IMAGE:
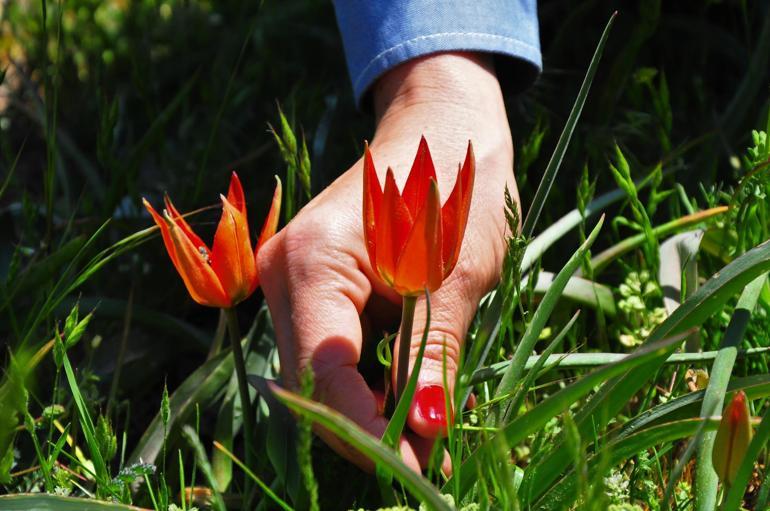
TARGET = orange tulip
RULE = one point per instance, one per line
(227, 273)
(413, 242)
(732, 439)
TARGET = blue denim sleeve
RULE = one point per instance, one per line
(380, 34)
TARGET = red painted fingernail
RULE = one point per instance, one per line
(430, 405)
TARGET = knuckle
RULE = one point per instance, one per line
(442, 344)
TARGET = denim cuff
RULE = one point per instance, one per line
(381, 34)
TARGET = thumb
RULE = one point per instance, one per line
(450, 315)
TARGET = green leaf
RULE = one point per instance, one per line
(203, 463)
(688, 405)
(559, 495)
(397, 422)
(351, 433)
(533, 373)
(552, 168)
(602, 260)
(581, 291)
(202, 388)
(540, 318)
(583, 360)
(713, 400)
(528, 423)
(42, 502)
(89, 431)
(392, 434)
(615, 394)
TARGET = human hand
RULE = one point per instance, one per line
(322, 292)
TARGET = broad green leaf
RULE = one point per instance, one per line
(583, 360)
(688, 405)
(580, 291)
(713, 400)
(43, 502)
(366, 444)
(678, 274)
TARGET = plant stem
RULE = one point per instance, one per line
(405, 342)
(243, 387)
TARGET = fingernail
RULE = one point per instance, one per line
(430, 404)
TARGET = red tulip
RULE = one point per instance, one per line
(227, 273)
(733, 438)
(413, 242)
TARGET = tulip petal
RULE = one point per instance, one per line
(232, 257)
(271, 222)
(419, 265)
(454, 213)
(235, 194)
(162, 224)
(180, 222)
(732, 438)
(372, 205)
(191, 264)
(395, 226)
(418, 182)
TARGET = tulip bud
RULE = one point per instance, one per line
(733, 438)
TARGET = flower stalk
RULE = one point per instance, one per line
(243, 386)
(405, 342)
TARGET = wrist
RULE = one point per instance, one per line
(450, 98)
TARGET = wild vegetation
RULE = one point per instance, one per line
(633, 306)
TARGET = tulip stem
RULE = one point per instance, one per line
(243, 386)
(405, 344)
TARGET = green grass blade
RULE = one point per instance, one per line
(540, 318)
(558, 496)
(615, 394)
(583, 360)
(200, 388)
(89, 431)
(688, 405)
(42, 502)
(554, 232)
(12, 169)
(521, 427)
(603, 259)
(482, 343)
(366, 444)
(713, 400)
(561, 146)
(246, 470)
(533, 373)
(203, 463)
